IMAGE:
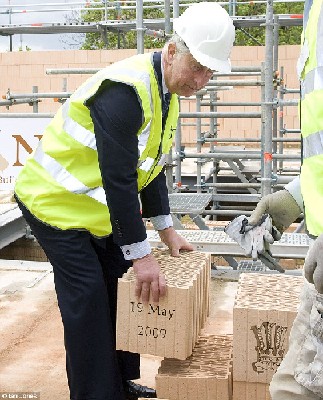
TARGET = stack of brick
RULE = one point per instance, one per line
(171, 327)
(264, 310)
(205, 375)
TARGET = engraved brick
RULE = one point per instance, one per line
(171, 327)
(264, 310)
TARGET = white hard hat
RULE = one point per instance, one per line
(208, 32)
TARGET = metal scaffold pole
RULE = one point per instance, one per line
(175, 8)
(168, 28)
(268, 104)
(217, 167)
(199, 161)
(169, 158)
(275, 92)
(140, 26)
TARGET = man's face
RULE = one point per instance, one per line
(184, 75)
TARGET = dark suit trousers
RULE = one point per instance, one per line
(86, 272)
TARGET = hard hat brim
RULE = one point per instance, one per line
(215, 64)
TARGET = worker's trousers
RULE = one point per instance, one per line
(300, 375)
(86, 271)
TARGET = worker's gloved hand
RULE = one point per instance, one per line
(282, 208)
(174, 241)
(242, 237)
(263, 235)
(313, 266)
(149, 279)
(254, 239)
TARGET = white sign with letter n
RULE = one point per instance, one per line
(18, 139)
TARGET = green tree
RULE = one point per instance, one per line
(122, 39)
(256, 35)
(248, 36)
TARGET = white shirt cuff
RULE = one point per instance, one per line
(136, 250)
(161, 222)
(294, 188)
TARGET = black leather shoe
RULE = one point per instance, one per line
(134, 391)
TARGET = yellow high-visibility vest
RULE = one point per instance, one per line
(311, 111)
(61, 183)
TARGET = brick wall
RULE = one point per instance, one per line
(20, 71)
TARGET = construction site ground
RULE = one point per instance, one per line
(32, 357)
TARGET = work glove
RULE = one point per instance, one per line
(254, 239)
(281, 207)
(313, 266)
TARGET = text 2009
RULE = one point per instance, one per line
(153, 332)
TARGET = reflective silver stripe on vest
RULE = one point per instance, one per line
(307, 7)
(65, 179)
(114, 74)
(146, 164)
(312, 81)
(143, 139)
(142, 76)
(162, 160)
(319, 46)
(87, 138)
(77, 131)
(313, 145)
(82, 91)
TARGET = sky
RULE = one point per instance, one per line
(37, 11)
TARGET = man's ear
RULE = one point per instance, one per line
(171, 51)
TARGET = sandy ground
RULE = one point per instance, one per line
(32, 357)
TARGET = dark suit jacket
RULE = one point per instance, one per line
(117, 116)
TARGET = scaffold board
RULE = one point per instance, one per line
(129, 25)
(12, 224)
(291, 245)
(188, 203)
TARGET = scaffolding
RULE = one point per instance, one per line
(237, 177)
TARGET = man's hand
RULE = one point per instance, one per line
(313, 267)
(149, 279)
(174, 241)
(282, 208)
